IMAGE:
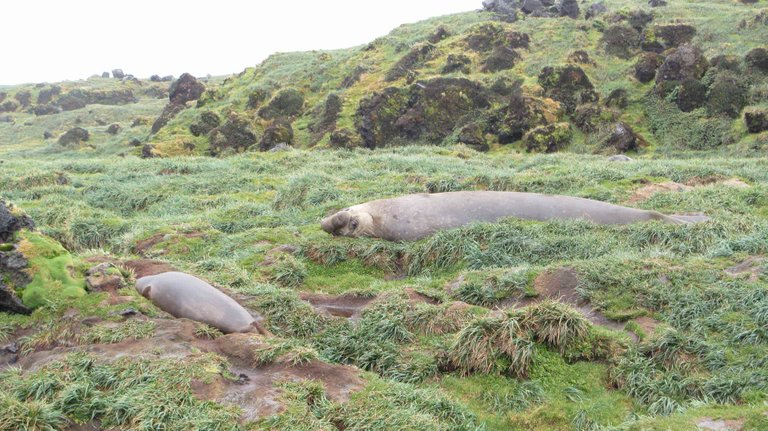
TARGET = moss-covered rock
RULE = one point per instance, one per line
(618, 98)
(472, 136)
(756, 120)
(590, 116)
(185, 89)
(621, 138)
(727, 96)
(74, 136)
(621, 40)
(673, 35)
(288, 103)
(170, 111)
(208, 121)
(521, 114)
(501, 58)
(580, 57)
(344, 138)
(457, 63)
(414, 59)
(690, 94)
(685, 62)
(279, 132)
(567, 84)
(757, 59)
(236, 134)
(548, 139)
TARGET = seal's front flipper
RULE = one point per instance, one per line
(692, 218)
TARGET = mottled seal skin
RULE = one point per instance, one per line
(184, 295)
(412, 217)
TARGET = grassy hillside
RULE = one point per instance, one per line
(512, 325)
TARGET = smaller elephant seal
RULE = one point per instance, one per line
(184, 295)
(412, 217)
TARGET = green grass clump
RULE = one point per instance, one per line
(51, 268)
(487, 288)
(116, 332)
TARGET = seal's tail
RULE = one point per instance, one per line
(689, 218)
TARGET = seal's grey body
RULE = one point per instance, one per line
(184, 295)
(411, 217)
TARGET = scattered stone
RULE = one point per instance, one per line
(47, 135)
(287, 103)
(457, 63)
(685, 62)
(757, 59)
(548, 139)
(11, 222)
(657, 3)
(756, 120)
(74, 136)
(620, 158)
(568, 84)
(353, 77)
(105, 74)
(118, 73)
(185, 89)
(279, 132)
(114, 129)
(208, 121)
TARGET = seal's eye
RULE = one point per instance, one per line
(353, 224)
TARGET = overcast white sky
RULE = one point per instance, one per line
(46, 41)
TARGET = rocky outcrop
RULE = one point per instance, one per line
(279, 132)
(568, 84)
(185, 89)
(287, 103)
(235, 134)
(74, 136)
(756, 120)
(548, 139)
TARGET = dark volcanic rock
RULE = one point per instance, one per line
(472, 136)
(457, 63)
(46, 110)
(10, 303)
(646, 66)
(484, 37)
(114, 129)
(327, 117)
(24, 98)
(74, 136)
(590, 116)
(439, 34)
(685, 62)
(171, 110)
(11, 223)
(105, 74)
(235, 134)
(279, 132)
(46, 95)
(757, 59)
(505, 9)
(568, 85)
(638, 18)
(207, 122)
(727, 96)
(9, 106)
(521, 114)
(148, 151)
(47, 135)
(622, 138)
(256, 98)
(287, 103)
(155, 78)
(501, 58)
(548, 139)
(726, 62)
(344, 138)
(580, 57)
(674, 35)
(185, 89)
(517, 39)
(657, 3)
(118, 73)
(621, 40)
(756, 120)
(353, 77)
(569, 8)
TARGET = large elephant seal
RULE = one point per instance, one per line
(184, 295)
(411, 217)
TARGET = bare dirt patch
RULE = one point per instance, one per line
(348, 306)
(147, 267)
(753, 267)
(721, 424)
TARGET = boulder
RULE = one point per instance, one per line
(756, 120)
(617, 99)
(47, 135)
(235, 134)
(118, 73)
(9, 302)
(11, 222)
(518, 39)
(580, 57)
(619, 158)
(521, 114)
(279, 132)
(155, 78)
(590, 116)
(646, 66)
(208, 121)
(757, 59)
(568, 84)
(46, 109)
(148, 151)
(74, 136)
(414, 59)
(287, 103)
(6, 119)
(344, 138)
(657, 3)
(326, 117)
(726, 62)
(472, 136)
(105, 74)
(622, 138)
(256, 98)
(46, 95)
(185, 89)
(439, 34)
(505, 9)
(685, 62)
(114, 129)
(691, 94)
(548, 139)
(104, 277)
(485, 37)
(674, 35)
(569, 8)
(9, 106)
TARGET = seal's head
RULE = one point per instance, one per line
(144, 285)
(349, 222)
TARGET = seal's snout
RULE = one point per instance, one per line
(335, 222)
